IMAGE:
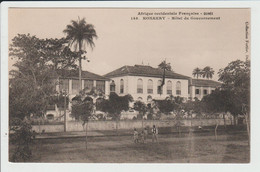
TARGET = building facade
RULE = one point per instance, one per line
(140, 81)
(68, 82)
(198, 88)
(144, 83)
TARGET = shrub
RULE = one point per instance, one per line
(22, 139)
(150, 116)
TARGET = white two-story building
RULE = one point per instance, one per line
(143, 83)
(201, 87)
(68, 82)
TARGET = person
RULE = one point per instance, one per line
(154, 133)
(145, 134)
(135, 136)
(142, 136)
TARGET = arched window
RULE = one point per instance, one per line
(112, 86)
(178, 88)
(50, 117)
(149, 98)
(121, 86)
(140, 99)
(159, 88)
(150, 86)
(169, 87)
(139, 86)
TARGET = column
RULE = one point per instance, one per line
(82, 84)
(145, 81)
(208, 90)
(57, 85)
(70, 86)
(95, 83)
(165, 88)
(201, 93)
(107, 88)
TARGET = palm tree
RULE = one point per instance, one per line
(207, 72)
(79, 33)
(165, 66)
(196, 72)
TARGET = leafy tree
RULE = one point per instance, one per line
(170, 104)
(53, 52)
(176, 104)
(191, 107)
(83, 110)
(220, 101)
(59, 54)
(31, 82)
(30, 85)
(22, 139)
(197, 72)
(207, 72)
(236, 81)
(178, 100)
(142, 109)
(234, 95)
(34, 71)
(115, 105)
(165, 106)
(79, 33)
(150, 109)
(83, 106)
(59, 100)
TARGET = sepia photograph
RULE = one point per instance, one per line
(129, 85)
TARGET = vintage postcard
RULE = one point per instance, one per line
(129, 84)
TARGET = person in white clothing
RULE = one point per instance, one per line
(154, 133)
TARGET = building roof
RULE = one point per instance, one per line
(144, 70)
(74, 74)
(204, 83)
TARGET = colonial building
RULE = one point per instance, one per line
(68, 82)
(144, 83)
(200, 87)
(141, 81)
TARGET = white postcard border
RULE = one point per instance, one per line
(255, 93)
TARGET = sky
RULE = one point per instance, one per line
(186, 44)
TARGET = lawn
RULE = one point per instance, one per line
(170, 148)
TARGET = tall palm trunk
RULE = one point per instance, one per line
(224, 117)
(216, 132)
(86, 141)
(143, 122)
(190, 124)
(80, 67)
(117, 121)
(247, 126)
(190, 140)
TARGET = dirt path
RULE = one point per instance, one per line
(169, 149)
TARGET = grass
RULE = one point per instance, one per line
(231, 147)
